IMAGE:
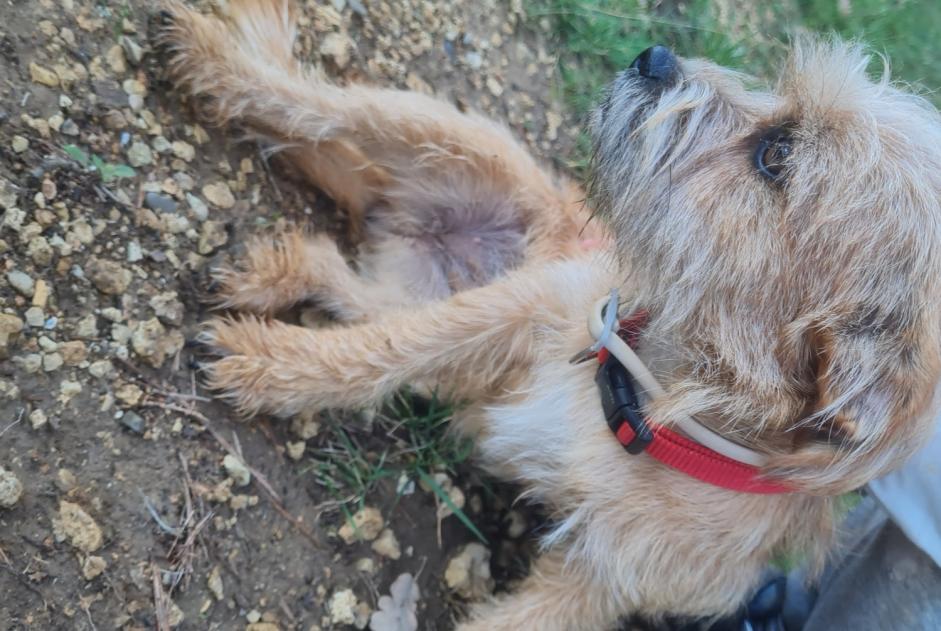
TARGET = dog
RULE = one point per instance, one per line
(778, 254)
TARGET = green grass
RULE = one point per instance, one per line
(413, 445)
(596, 38)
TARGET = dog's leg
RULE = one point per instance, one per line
(556, 596)
(466, 345)
(278, 272)
(363, 145)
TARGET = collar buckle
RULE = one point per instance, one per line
(622, 407)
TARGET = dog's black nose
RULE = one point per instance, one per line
(657, 62)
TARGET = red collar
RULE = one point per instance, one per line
(637, 434)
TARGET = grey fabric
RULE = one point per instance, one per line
(912, 497)
(881, 582)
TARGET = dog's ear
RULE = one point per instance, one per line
(870, 379)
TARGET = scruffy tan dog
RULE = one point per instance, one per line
(785, 246)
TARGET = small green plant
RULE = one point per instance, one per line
(109, 171)
(417, 445)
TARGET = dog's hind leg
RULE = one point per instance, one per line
(279, 272)
(371, 149)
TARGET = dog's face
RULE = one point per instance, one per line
(789, 244)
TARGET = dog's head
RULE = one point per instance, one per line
(788, 244)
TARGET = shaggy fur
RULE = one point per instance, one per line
(800, 316)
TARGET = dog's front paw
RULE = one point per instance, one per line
(269, 366)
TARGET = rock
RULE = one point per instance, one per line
(134, 422)
(52, 361)
(108, 276)
(135, 252)
(74, 524)
(262, 626)
(175, 615)
(139, 154)
(73, 353)
(10, 327)
(219, 194)
(161, 145)
(93, 567)
(11, 489)
(19, 144)
(100, 369)
(213, 235)
(237, 470)
(9, 192)
(161, 203)
(21, 282)
(495, 87)
(132, 50)
(336, 47)
(296, 450)
(42, 75)
(154, 343)
(38, 419)
(133, 87)
(35, 317)
(214, 582)
(183, 150)
(87, 327)
(342, 607)
(468, 573)
(387, 545)
(40, 251)
(198, 206)
(366, 525)
(304, 426)
(41, 294)
(167, 308)
(115, 59)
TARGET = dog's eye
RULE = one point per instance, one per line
(772, 153)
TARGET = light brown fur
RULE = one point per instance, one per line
(801, 318)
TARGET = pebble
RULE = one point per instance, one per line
(134, 251)
(342, 607)
(161, 203)
(70, 128)
(132, 50)
(8, 193)
(468, 573)
(35, 317)
(133, 87)
(87, 327)
(153, 343)
(73, 353)
(387, 545)
(10, 327)
(11, 489)
(93, 567)
(168, 308)
(214, 582)
(139, 154)
(198, 206)
(100, 369)
(37, 418)
(296, 449)
(236, 470)
(21, 282)
(368, 524)
(183, 150)
(219, 194)
(304, 426)
(212, 235)
(108, 276)
(77, 526)
(52, 361)
(41, 294)
(19, 144)
(161, 145)
(133, 421)
(42, 75)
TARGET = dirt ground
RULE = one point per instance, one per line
(128, 498)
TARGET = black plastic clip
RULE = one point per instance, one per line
(621, 405)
